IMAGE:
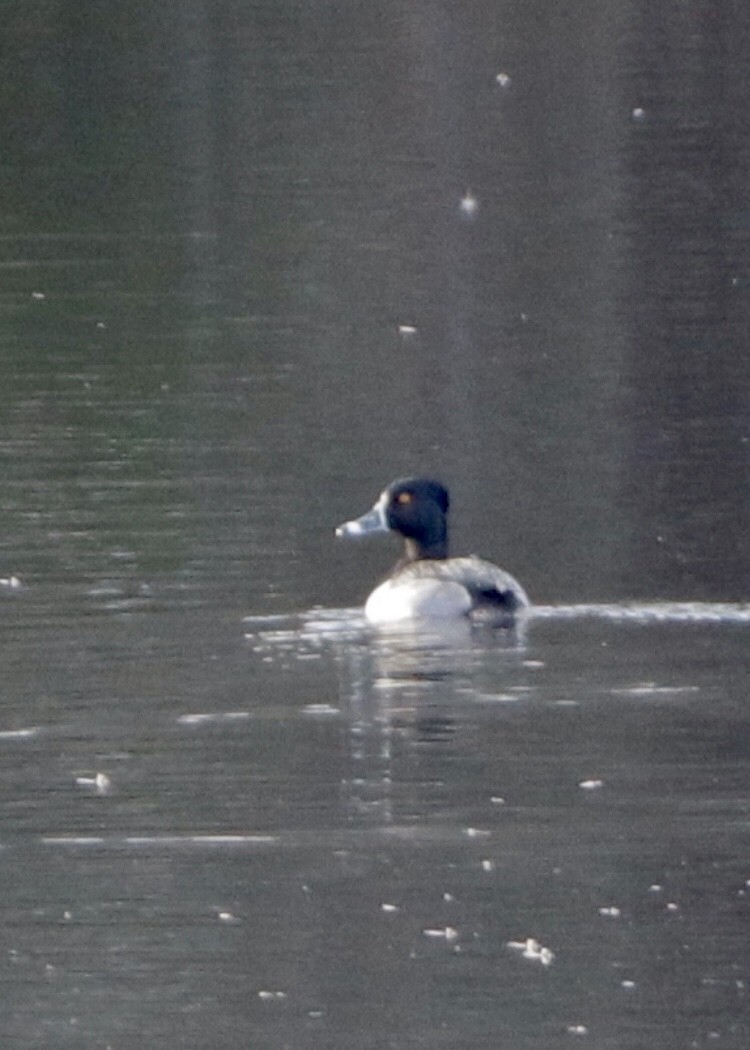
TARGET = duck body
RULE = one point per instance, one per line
(456, 587)
(427, 584)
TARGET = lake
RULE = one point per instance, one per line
(257, 261)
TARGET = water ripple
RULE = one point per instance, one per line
(648, 612)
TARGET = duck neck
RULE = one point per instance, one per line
(416, 551)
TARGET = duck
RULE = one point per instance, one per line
(426, 583)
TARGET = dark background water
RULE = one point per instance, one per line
(214, 220)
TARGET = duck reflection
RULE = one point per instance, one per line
(404, 694)
(408, 696)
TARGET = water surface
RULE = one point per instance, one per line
(238, 295)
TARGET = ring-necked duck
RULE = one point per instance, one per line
(426, 583)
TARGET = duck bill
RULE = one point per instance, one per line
(370, 523)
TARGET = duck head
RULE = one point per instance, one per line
(417, 509)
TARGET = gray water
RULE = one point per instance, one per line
(239, 293)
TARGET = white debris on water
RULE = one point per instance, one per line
(99, 783)
(469, 205)
(503, 79)
(534, 951)
(319, 710)
(448, 933)
(590, 785)
(611, 912)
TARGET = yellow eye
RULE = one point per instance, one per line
(404, 497)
